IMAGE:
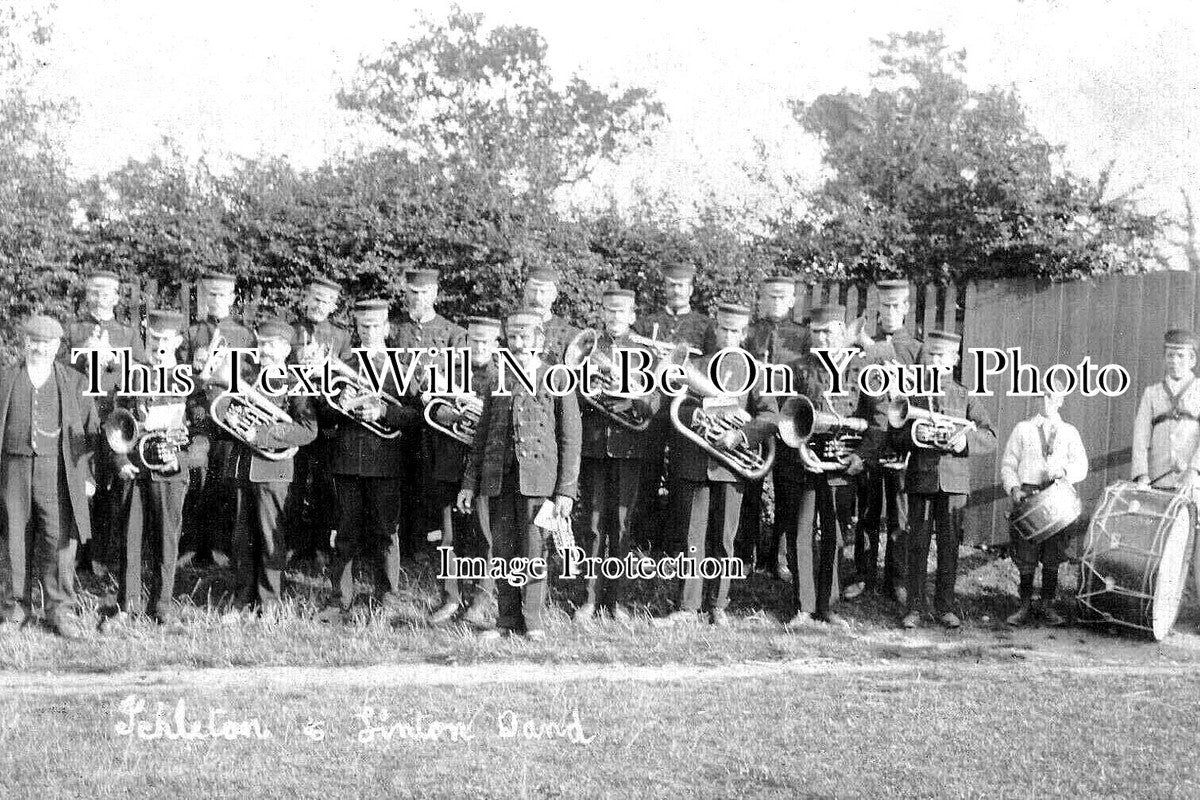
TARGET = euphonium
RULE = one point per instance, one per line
(248, 410)
(930, 429)
(834, 436)
(466, 408)
(153, 449)
(610, 402)
(708, 424)
(356, 391)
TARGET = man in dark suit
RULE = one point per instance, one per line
(50, 431)
(526, 451)
(263, 485)
(540, 292)
(881, 486)
(612, 462)
(938, 482)
(368, 474)
(678, 323)
(709, 489)
(151, 518)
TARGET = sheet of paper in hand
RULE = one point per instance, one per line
(559, 528)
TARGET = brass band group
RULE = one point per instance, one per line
(373, 475)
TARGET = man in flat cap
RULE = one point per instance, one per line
(612, 461)
(155, 477)
(50, 431)
(98, 327)
(881, 486)
(422, 327)
(317, 338)
(540, 292)
(526, 451)
(262, 484)
(814, 485)
(707, 486)
(938, 481)
(463, 534)
(368, 474)
(676, 322)
(1166, 430)
(774, 338)
(211, 500)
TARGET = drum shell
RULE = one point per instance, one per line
(1046, 513)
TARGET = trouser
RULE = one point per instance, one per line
(152, 521)
(1051, 553)
(368, 524)
(259, 541)
(39, 521)
(610, 492)
(107, 506)
(416, 520)
(515, 536)
(216, 506)
(459, 533)
(750, 545)
(722, 504)
(933, 516)
(820, 515)
(882, 489)
(314, 509)
(657, 521)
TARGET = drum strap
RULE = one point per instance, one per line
(1047, 444)
(1176, 413)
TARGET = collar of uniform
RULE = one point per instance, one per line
(1176, 385)
(681, 313)
(97, 321)
(421, 323)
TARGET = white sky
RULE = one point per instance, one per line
(1109, 80)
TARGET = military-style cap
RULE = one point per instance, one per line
(422, 277)
(680, 272)
(161, 320)
(734, 310)
(522, 317)
(275, 329)
(617, 296)
(371, 307)
(823, 315)
(483, 323)
(218, 277)
(1180, 337)
(544, 275)
(892, 289)
(42, 328)
(104, 276)
(942, 340)
(324, 283)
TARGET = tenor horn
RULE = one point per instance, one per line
(611, 403)
(708, 425)
(930, 429)
(153, 449)
(250, 410)
(803, 427)
(356, 391)
(466, 408)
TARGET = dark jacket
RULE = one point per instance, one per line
(689, 328)
(193, 456)
(244, 464)
(603, 437)
(358, 451)
(559, 333)
(777, 341)
(931, 470)
(812, 381)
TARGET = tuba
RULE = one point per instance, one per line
(930, 429)
(355, 393)
(824, 439)
(710, 421)
(250, 410)
(613, 404)
(152, 449)
(466, 408)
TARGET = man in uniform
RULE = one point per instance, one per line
(773, 339)
(1166, 430)
(881, 486)
(708, 488)
(317, 339)
(677, 323)
(938, 483)
(211, 503)
(422, 328)
(50, 430)
(152, 516)
(526, 451)
(612, 462)
(368, 476)
(541, 290)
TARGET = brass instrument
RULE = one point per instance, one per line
(311, 351)
(825, 439)
(153, 449)
(661, 348)
(467, 409)
(709, 424)
(249, 410)
(356, 392)
(610, 402)
(212, 361)
(930, 429)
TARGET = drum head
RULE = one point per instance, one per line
(1172, 574)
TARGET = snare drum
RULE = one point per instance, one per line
(1047, 512)
(1134, 560)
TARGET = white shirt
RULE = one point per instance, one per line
(1024, 460)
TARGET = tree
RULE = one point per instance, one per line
(934, 180)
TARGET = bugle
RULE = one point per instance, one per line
(710, 424)
(250, 410)
(825, 439)
(356, 392)
(930, 429)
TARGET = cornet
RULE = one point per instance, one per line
(930, 429)
(356, 392)
(825, 439)
(466, 410)
(709, 425)
(153, 449)
(249, 410)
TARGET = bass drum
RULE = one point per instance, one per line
(1135, 559)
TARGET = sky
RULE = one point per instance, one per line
(1112, 81)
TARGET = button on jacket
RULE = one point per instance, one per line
(931, 470)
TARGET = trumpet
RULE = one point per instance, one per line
(156, 450)
(825, 439)
(246, 412)
(612, 403)
(709, 425)
(930, 429)
(355, 393)
(466, 409)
